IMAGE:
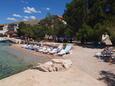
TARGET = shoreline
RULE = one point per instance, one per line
(32, 53)
(27, 58)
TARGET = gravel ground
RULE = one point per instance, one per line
(83, 58)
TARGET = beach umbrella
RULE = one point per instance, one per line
(50, 37)
(106, 39)
(46, 36)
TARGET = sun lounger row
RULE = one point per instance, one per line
(60, 50)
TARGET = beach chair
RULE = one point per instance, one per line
(27, 46)
(24, 45)
(41, 49)
(35, 47)
(48, 50)
(105, 53)
(56, 50)
(98, 54)
(30, 47)
(66, 50)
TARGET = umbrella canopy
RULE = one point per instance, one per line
(106, 39)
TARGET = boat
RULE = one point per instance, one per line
(2, 39)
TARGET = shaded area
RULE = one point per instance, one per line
(108, 78)
(91, 45)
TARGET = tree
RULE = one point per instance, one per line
(91, 13)
(85, 34)
(38, 32)
(75, 14)
(55, 27)
(22, 25)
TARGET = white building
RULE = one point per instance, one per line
(3, 29)
(13, 27)
(8, 27)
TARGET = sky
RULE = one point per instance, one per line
(18, 10)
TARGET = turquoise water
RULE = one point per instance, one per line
(13, 61)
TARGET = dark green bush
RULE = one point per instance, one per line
(112, 37)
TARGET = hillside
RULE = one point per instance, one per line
(31, 22)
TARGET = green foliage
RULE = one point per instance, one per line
(36, 31)
(90, 18)
(54, 25)
(51, 25)
(68, 32)
(99, 29)
(74, 15)
(85, 33)
(88, 34)
(112, 35)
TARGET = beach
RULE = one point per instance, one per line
(63, 43)
(84, 72)
(43, 57)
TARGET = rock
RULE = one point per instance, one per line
(44, 67)
(49, 63)
(58, 61)
(55, 65)
(67, 63)
(50, 69)
(58, 67)
(41, 68)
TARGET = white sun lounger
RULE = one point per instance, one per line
(56, 50)
(35, 47)
(23, 46)
(30, 47)
(48, 50)
(66, 50)
(41, 49)
(26, 46)
(98, 54)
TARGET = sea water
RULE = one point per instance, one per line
(13, 61)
